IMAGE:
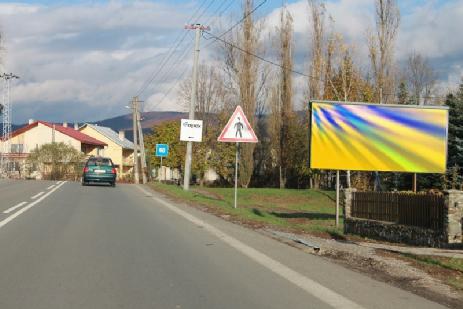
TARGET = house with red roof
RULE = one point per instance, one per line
(37, 133)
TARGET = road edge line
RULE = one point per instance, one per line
(310, 286)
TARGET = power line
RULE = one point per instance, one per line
(216, 14)
(171, 88)
(240, 21)
(257, 56)
(161, 67)
(184, 54)
(227, 31)
(205, 10)
(292, 70)
(185, 51)
(176, 43)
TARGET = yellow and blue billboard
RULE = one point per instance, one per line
(373, 137)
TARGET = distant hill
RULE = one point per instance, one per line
(149, 119)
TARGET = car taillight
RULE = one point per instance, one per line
(113, 171)
(85, 169)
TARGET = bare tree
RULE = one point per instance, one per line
(282, 113)
(246, 77)
(421, 76)
(210, 94)
(317, 65)
(381, 47)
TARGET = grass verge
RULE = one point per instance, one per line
(298, 211)
(310, 211)
(453, 277)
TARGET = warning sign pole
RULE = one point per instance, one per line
(236, 172)
(238, 130)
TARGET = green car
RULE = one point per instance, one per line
(99, 169)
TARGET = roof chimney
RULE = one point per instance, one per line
(65, 124)
(121, 135)
(31, 121)
(76, 126)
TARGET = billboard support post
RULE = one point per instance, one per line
(337, 198)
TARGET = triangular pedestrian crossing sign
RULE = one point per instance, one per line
(238, 129)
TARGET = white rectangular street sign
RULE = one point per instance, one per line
(191, 130)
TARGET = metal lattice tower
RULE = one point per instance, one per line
(6, 116)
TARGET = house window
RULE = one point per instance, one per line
(17, 148)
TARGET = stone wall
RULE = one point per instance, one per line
(450, 236)
(394, 232)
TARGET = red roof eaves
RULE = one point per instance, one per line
(83, 138)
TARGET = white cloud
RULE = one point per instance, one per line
(17, 8)
(100, 53)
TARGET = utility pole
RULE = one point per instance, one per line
(189, 148)
(7, 119)
(135, 140)
(142, 147)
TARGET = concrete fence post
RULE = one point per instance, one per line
(453, 214)
(347, 195)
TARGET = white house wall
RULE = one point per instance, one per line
(40, 135)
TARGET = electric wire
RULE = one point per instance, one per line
(176, 43)
(185, 51)
(291, 70)
(183, 56)
(225, 32)
(256, 56)
(240, 21)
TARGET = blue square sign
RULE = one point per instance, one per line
(162, 150)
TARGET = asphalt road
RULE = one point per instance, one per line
(124, 247)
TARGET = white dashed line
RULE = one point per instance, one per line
(37, 195)
(51, 187)
(32, 204)
(14, 207)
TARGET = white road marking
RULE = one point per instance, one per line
(14, 207)
(310, 286)
(37, 195)
(50, 187)
(23, 210)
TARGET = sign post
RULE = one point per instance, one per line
(238, 130)
(162, 150)
(236, 172)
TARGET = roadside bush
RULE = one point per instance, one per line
(57, 161)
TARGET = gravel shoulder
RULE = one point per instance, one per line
(391, 263)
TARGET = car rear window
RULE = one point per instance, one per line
(99, 162)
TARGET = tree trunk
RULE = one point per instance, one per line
(282, 178)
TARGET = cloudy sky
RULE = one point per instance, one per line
(84, 60)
